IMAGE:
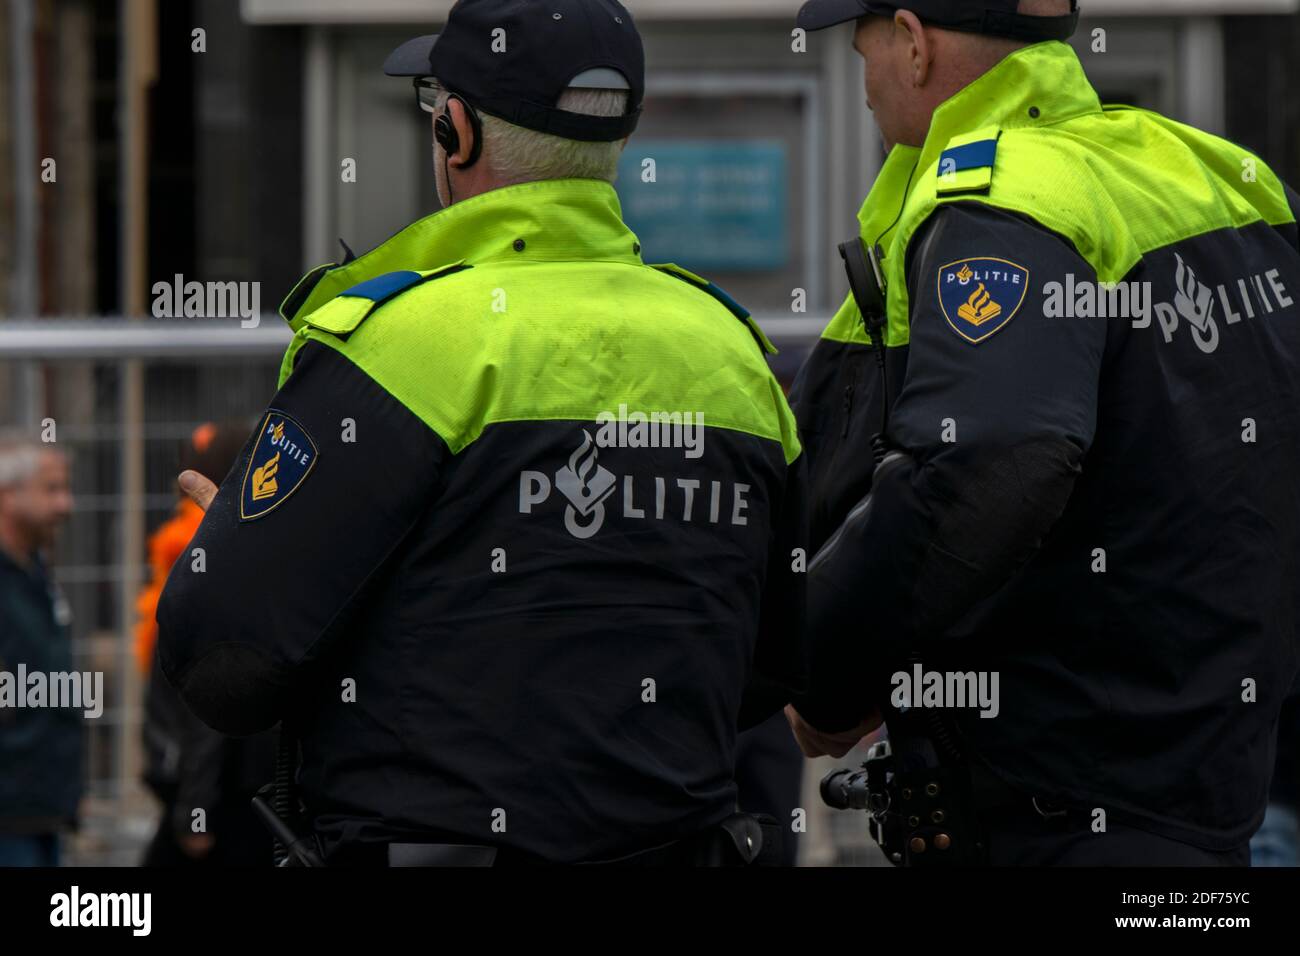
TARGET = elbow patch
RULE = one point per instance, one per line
(992, 523)
(1016, 494)
(232, 688)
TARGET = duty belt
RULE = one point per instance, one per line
(739, 840)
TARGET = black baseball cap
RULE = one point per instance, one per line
(991, 17)
(547, 47)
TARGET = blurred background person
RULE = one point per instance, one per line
(188, 766)
(41, 748)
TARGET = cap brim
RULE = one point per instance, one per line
(820, 14)
(412, 58)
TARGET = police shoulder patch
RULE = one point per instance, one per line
(283, 455)
(980, 296)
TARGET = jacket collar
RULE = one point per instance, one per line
(1045, 77)
(557, 219)
(548, 221)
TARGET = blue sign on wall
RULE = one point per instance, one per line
(713, 204)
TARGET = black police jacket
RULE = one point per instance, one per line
(1094, 509)
(497, 608)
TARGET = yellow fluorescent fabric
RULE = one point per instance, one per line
(557, 318)
(1117, 182)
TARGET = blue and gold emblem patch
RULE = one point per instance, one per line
(980, 296)
(283, 455)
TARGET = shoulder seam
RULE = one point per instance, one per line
(716, 293)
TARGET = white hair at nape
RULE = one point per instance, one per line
(519, 155)
(1044, 8)
(20, 458)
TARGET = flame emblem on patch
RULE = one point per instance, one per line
(980, 307)
(1000, 288)
(264, 483)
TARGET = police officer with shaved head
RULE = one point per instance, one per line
(1053, 444)
(513, 551)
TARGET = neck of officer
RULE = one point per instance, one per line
(960, 59)
(467, 183)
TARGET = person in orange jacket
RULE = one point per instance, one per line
(190, 767)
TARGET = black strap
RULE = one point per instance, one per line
(440, 854)
(867, 286)
(867, 292)
(297, 298)
(741, 839)
(747, 840)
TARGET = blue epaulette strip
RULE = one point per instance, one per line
(383, 287)
(738, 310)
(971, 156)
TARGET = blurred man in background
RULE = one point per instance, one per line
(41, 772)
(189, 766)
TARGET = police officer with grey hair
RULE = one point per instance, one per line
(519, 612)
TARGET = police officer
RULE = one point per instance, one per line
(515, 533)
(1083, 495)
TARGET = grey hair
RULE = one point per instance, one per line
(519, 155)
(1044, 8)
(20, 458)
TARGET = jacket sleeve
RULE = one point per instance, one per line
(989, 433)
(780, 661)
(198, 773)
(290, 542)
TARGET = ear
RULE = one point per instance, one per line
(464, 133)
(919, 48)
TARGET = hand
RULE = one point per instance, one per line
(200, 489)
(196, 845)
(814, 743)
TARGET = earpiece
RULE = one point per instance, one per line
(444, 131)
